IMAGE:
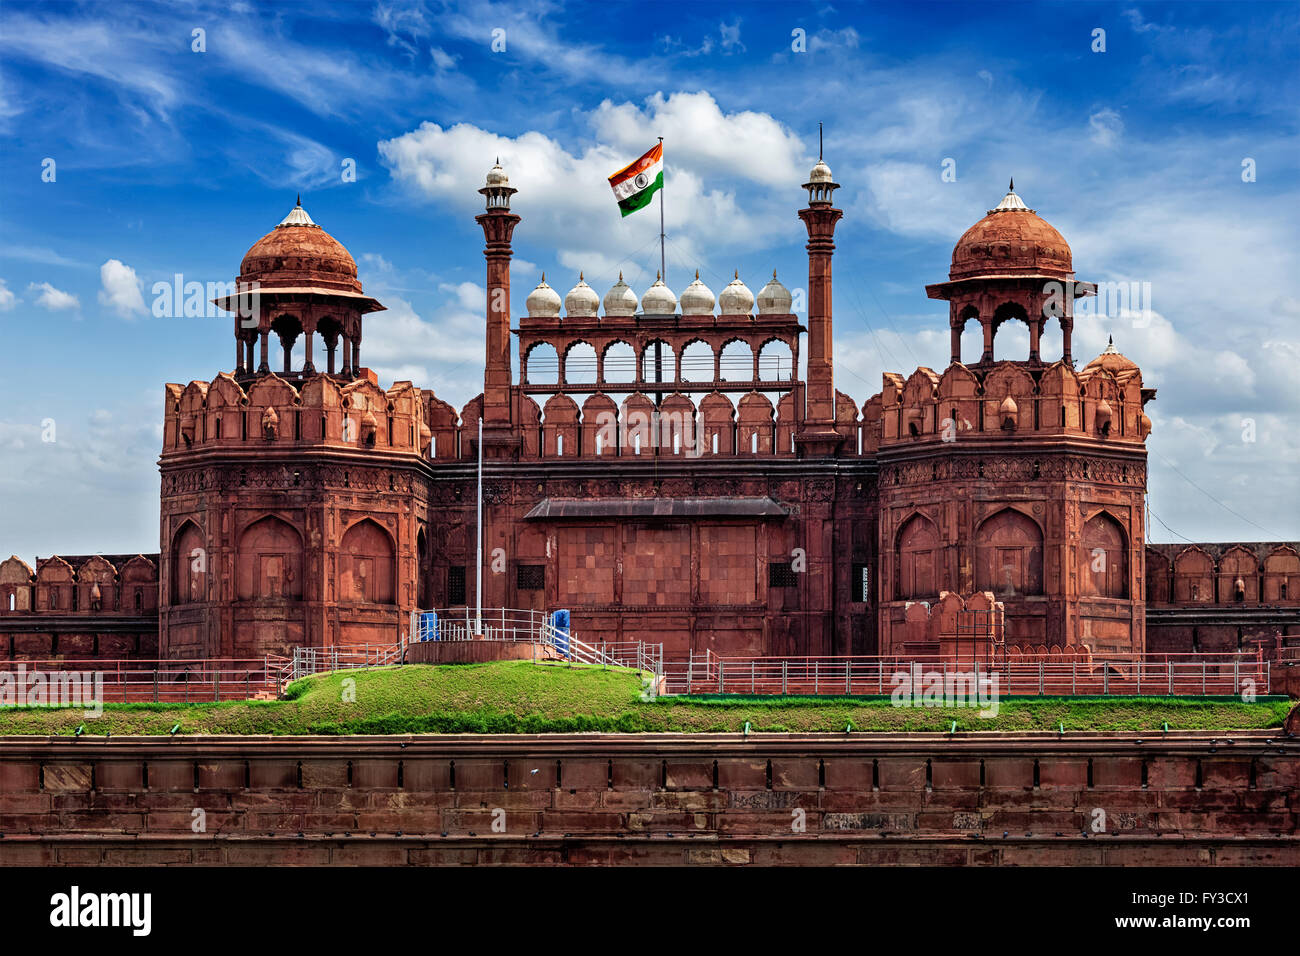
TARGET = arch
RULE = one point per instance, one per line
(580, 365)
(775, 361)
(664, 369)
(1019, 342)
(423, 580)
(1238, 576)
(288, 328)
(917, 555)
(189, 560)
(1009, 554)
(599, 425)
(1158, 577)
(618, 363)
(638, 419)
(1282, 576)
(736, 361)
(717, 425)
(755, 424)
(560, 427)
(697, 361)
(964, 343)
(1103, 557)
(541, 365)
(1193, 577)
(269, 566)
(676, 432)
(330, 329)
(367, 569)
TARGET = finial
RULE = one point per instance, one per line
(659, 276)
(580, 278)
(620, 275)
(697, 275)
(774, 274)
(819, 142)
(1110, 340)
(299, 199)
(737, 273)
(498, 160)
(543, 275)
(1012, 187)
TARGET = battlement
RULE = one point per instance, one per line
(100, 585)
(222, 414)
(1010, 400)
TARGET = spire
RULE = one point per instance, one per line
(299, 202)
(1012, 187)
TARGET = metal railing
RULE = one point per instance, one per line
(161, 681)
(496, 624)
(318, 660)
(1171, 674)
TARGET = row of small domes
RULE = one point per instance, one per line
(697, 299)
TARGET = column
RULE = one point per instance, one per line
(265, 365)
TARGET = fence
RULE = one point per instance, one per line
(496, 624)
(1173, 674)
(154, 681)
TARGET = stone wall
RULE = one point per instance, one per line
(1184, 798)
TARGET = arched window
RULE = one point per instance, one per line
(189, 566)
(1009, 555)
(270, 562)
(918, 559)
(1103, 558)
(367, 571)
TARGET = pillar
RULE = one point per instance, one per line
(265, 365)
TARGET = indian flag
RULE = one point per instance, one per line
(637, 182)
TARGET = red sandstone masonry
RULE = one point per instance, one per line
(821, 798)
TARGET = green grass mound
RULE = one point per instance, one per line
(522, 697)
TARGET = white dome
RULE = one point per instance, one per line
(581, 300)
(620, 300)
(497, 176)
(543, 302)
(697, 298)
(821, 173)
(658, 299)
(736, 299)
(774, 298)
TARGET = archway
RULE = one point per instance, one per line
(1103, 558)
(366, 568)
(1009, 555)
(917, 551)
(269, 567)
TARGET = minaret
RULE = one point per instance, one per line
(818, 436)
(498, 225)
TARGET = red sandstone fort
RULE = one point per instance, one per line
(660, 468)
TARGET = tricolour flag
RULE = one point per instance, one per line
(639, 180)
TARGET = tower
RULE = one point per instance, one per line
(818, 436)
(498, 222)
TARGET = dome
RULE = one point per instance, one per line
(821, 173)
(543, 302)
(1011, 240)
(298, 252)
(497, 176)
(697, 298)
(582, 300)
(774, 298)
(1113, 360)
(620, 300)
(1008, 406)
(736, 299)
(658, 299)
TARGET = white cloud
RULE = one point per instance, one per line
(53, 299)
(7, 298)
(1105, 127)
(567, 204)
(122, 289)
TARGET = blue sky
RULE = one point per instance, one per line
(169, 160)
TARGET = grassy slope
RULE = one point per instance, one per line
(521, 697)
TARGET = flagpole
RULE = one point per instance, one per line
(663, 274)
(663, 265)
(478, 573)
